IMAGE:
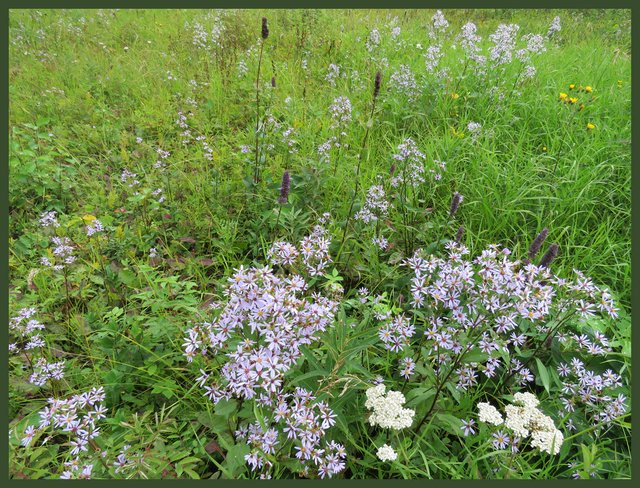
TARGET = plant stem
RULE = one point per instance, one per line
(355, 191)
(255, 170)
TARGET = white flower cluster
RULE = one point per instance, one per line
(524, 419)
(387, 408)
(386, 453)
(489, 414)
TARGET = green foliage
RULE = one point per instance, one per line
(98, 95)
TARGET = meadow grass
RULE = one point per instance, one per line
(85, 84)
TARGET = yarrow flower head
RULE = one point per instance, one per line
(524, 419)
(388, 411)
(386, 453)
(489, 414)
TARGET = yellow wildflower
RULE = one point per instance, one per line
(572, 86)
(588, 89)
(455, 96)
(590, 126)
(563, 96)
(573, 100)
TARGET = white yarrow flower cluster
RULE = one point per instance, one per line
(489, 414)
(524, 419)
(386, 453)
(387, 408)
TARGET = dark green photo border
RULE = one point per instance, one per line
(368, 4)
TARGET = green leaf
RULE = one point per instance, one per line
(225, 408)
(448, 422)
(98, 280)
(544, 376)
(234, 460)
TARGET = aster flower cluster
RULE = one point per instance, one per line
(584, 389)
(94, 227)
(469, 39)
(260, 328)
(49, 219)
(432, 58)
(387, 408)
(289, 141)
(77, 417)
(380, 242)
(340, 119)
(312, 253)
(439, 25)
(396, 334)
(481, 303)
(500, 54)
(333, 73)
(126, 460)
(403, 82)
(523, 419)
(474, 128)
(63, 254)
(44, 371)
(407, 366)
(208, 38)
(373, 40)
(129, 178)
(376, 206)
(300, 421)
(411, 161)
(340, 113)
(504, 43)
(554, 28)
(25, 332)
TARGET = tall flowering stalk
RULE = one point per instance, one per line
(376, 92)
(265, 35)
(284, 194)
